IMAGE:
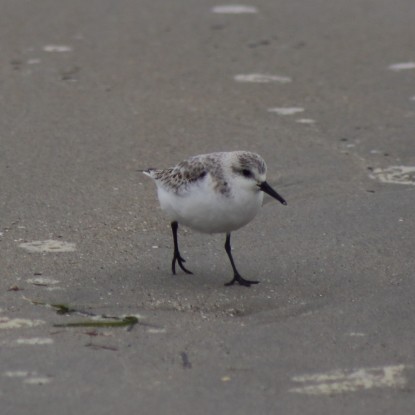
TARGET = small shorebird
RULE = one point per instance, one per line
(213, 193)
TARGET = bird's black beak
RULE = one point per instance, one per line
(265, 187)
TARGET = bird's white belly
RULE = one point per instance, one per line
(210, 212)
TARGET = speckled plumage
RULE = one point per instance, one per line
(195, 168)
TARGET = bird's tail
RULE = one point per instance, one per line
(148, 172)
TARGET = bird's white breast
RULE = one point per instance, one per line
(205, 209)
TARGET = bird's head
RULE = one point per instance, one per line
(249, 171)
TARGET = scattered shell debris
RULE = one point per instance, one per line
(17, 323)
(48, 245)
(154, 330)
(31, 378)
(306, 121)
(16, 373)
(42, 281)
(234, 9)
(32, 341)
(49, 284)
(37, 380)
(57, 48)
(286, 110)
(261, 78)
(402, 66)
(344, 381)
(395, 174)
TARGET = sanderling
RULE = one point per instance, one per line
(213, 193)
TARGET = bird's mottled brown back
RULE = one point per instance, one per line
(190, 171)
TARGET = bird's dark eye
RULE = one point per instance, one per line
(246, 173)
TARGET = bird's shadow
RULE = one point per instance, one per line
(150, 286)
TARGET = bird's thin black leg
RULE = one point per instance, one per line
(236, 276)
(176, 255)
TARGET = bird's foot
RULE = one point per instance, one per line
(177, 257)
(241, 281)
